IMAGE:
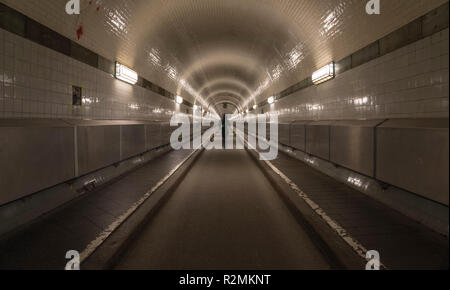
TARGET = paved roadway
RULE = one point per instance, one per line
(224, 215)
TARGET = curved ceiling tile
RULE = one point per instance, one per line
(219, 72)
(216, 84)
(227, 89)
(187, 46)
(226, 95)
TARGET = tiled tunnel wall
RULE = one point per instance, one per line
(36, 82)
(411, 82)
(379, 81)
(380, 113)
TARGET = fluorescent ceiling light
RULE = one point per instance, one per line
(324, 74)
(126, 74)
(247, 111)
(271, 100)
(179, 100)
(255, 106)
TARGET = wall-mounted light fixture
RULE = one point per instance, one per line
(271, 100)
(255, 107)
(324, 74)
(179, 100)
(125, 74)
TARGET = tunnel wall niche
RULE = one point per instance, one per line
(36, 154)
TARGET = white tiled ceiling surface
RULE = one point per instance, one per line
(214, 50)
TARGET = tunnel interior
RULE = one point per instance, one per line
(117, 110)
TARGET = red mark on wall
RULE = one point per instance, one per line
(80, 31)
(80, 27)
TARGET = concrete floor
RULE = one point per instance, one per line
(224, 215)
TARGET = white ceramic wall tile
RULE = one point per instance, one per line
(412, 82)
(36, 82)
(267, 45)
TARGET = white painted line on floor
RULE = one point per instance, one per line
(93, 245)
(343, 233)
(352, 242)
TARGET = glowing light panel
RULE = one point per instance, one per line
(324, 74)
(126, 74)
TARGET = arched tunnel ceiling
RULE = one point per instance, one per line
(210, 51)
(222, 110)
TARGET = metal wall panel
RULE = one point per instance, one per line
(34, 155)
(98, 146)
(153, 135)
(352, 145)
(166, 131)
(284, 132)
(37, 153)
(414, 155)
(298, 135)
(318, 139)
(132, 140)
